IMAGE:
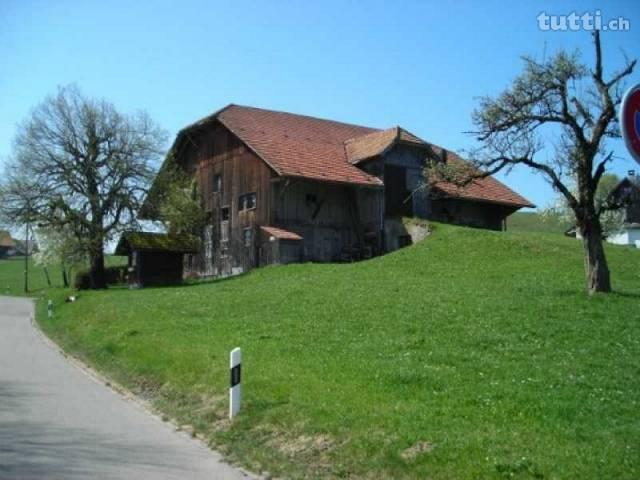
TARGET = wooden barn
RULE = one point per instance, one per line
(626, 196)
(279, 188)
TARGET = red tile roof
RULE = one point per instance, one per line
(486, 189)
(326, 150)
(376, 143)
(298, 146)
(6, 240)
(281, 234)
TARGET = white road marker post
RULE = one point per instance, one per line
(234, 390)
(50, 308)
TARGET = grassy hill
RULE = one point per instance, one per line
(534, 222)
(474, 354)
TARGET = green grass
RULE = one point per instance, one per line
(534, 222)
(12, 275)
(474, 354)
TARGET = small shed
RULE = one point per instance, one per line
(155, 258)
(279, 246)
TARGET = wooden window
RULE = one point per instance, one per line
(248, 236)
(251, 200)
(247, 201)
(217, 184)
(224, 231)
(224, 224)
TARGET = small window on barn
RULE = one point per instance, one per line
(247, 201)
(217, 184)
(248, 236)
(224, 232)
(311, 199)
(251, 200)
(224, 224)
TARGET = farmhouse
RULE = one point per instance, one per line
(626, 195)
(7, 244)
(279, 188)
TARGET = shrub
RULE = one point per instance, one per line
(114, 275)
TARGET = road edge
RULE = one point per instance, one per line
(146, 406)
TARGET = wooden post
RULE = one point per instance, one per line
(234, 390)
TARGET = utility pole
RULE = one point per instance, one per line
(26, 260)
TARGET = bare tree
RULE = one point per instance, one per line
(559, 96)
(20, 200)
(90, 165)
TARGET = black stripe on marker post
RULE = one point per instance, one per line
(235, 375)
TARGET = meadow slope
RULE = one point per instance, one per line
(474, 354)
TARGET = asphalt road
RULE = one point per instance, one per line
(58, 422)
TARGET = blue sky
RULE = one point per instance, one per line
(421, 65)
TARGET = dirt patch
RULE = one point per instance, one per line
(417, 449)
(301, 445)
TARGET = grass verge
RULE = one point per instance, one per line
(474, 354)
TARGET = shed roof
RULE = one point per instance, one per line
(280, 233)
(157, 242)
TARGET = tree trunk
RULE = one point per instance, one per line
(96, 272)
(595, 261)
(46, 274)
(65, 277)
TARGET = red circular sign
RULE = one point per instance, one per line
(630, 121)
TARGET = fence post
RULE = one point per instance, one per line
(50, 308)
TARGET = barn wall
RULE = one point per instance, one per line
(632, 211)
(216, 151)
(159, 268)
(332, 219)
(472, 214)
(411, 160)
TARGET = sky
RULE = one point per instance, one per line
(419, 64)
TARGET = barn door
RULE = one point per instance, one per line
(398, 201)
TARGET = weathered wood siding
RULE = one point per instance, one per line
(401, 170)
(332, 219)
(472, 214)
(213, 152)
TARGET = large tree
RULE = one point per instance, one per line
(555, 118)
(91, 166)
